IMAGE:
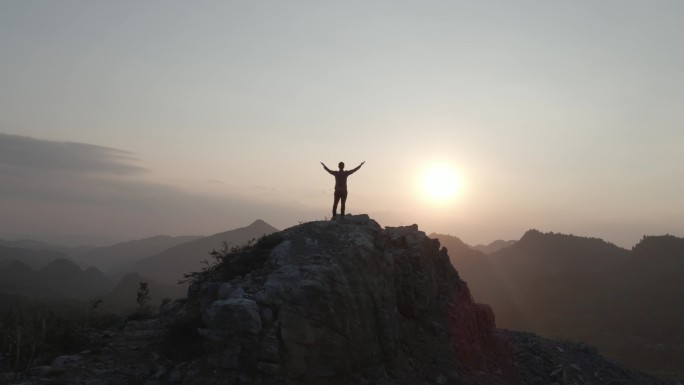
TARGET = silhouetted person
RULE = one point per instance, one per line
(340, 185)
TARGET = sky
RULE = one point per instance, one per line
(121, 120)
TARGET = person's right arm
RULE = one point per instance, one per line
(327, 169)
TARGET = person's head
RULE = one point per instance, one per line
(341, 165)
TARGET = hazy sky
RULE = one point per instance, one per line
(127, 119)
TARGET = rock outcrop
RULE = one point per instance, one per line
(342, 302)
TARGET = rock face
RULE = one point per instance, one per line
(344, 301)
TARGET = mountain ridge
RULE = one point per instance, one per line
(61, 278)
(494, 246)
(169, 266)
(123, 254)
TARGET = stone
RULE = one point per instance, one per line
(268, 367)
(65, 361)
(172, 312)
(266, 316)
(228, 357)
(268, 348)
(238, 315)
(228, 290)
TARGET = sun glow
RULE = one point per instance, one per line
(440, 184)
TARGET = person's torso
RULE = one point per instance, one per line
(341, 180)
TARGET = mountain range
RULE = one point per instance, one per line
(35, 258)
(629, 303)
(60, 278)
(161, 261)
(489, 248)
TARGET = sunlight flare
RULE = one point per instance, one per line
(440, 184)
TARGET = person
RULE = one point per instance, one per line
(340, 185)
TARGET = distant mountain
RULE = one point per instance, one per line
(467, 256)
(30, 244)
(628, 303)
(169, 266)
(13, 270)
(126, 254)
(60, 278)
(526, 281)
(549, 253)
(476, 268)
(494, 246)
(69, 280)
(34, 258)
(18, 278)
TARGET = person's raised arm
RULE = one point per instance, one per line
(357, 168)
(327, 169)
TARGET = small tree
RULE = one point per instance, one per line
(91, 317)
(143, 297)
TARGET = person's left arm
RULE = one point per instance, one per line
(357, 168)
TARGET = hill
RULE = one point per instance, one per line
(66, 278)
(169, 266)
(492, 247)
(73, 252)
(60, 278)
(17, 278)
(34, 258)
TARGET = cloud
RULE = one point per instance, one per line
(35, 169)
(24, 154)
(44, 171)
(49, 187)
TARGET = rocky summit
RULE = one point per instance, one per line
(344, 301)
(330, 302)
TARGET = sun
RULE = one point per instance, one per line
(440, 183)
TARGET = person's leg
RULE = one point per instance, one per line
(344, 200)
(337, 199)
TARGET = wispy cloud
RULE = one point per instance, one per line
(27, 154)
(58, 187)
(43, 170)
